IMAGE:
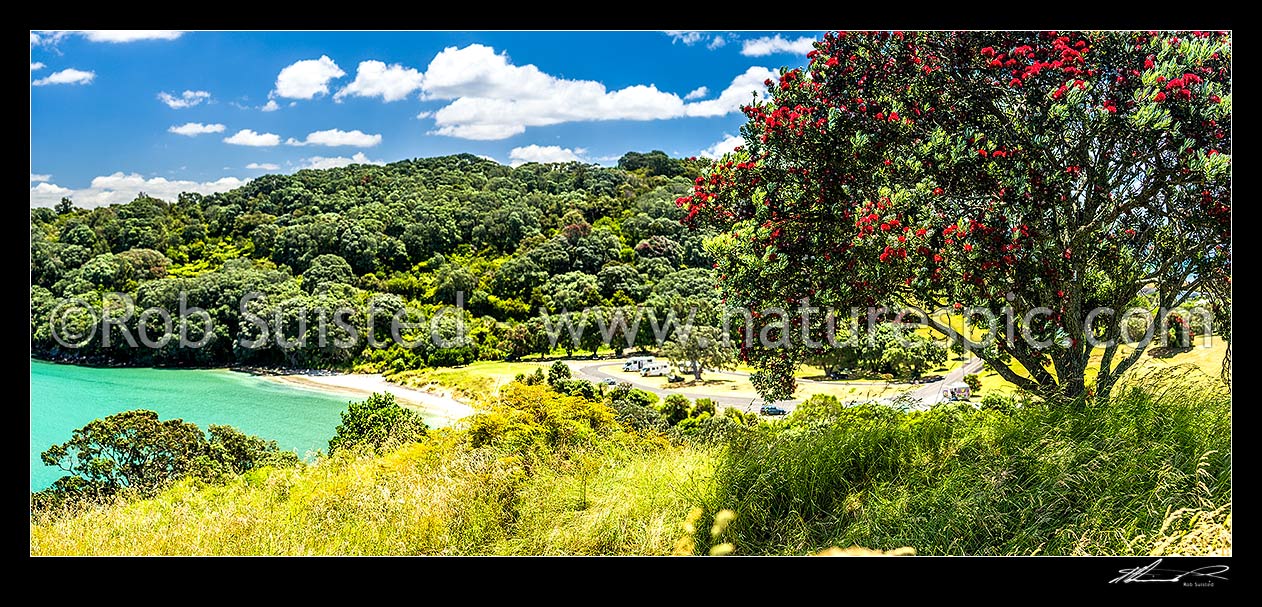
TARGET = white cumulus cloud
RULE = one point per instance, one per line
(130, 35)
(270, 106)
(322, 162)
(35, 177)
(541, 153)
(111, 36)
(253, 139)
(490, 98)
(66, 76)
(124, 187)
(697, 93)
(727, 144)
(307, 78)
(264, 166)
(687, 37)
(740, 92)
(47, 191)
(376, 79)
(36, 65)
(338, 137)
(193, 129)
(183, 100)
(761, 47)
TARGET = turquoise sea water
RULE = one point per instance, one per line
(66, 397)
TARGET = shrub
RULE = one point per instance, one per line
(632, 414)
(532, 379)
(378, 423)
(643, 397)
(817, 408)
(974, 382)
(579, 387)
(558, 372)
(620, 391)
(675, 408)
(451, 357)
(997, 402)
(687, 425)
(539, 419)
(136, 453)
(739, 417)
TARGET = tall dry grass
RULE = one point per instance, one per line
(1147, 473)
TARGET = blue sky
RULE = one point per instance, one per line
(117, 112)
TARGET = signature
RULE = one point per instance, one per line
(1151, 573)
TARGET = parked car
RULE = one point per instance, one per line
(772, 410)
(674, 378)
(609, 381)
(929, 379)
(838, 375)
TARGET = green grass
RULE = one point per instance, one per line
(1205, 361)
(1049, 479)
(1148, 473)
(436, 498)
(470, 383)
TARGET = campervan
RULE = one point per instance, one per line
(956, 391)
(655, 369)
(637, 363)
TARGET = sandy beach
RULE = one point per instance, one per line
(438, 409)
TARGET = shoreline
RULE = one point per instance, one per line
(439, 409)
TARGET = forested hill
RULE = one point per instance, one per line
(561, 236)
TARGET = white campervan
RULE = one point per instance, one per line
(637, 363)
(655, 369)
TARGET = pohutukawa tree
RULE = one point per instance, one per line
(958, 169)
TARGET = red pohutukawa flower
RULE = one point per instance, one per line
(984, 114)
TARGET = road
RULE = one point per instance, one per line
(932, 393)
(927, 394)
(803, 380)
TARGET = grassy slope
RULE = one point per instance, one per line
(1097, 480)
(1207, 361)
(434, 498)
(471, 382)
(1100, 479)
